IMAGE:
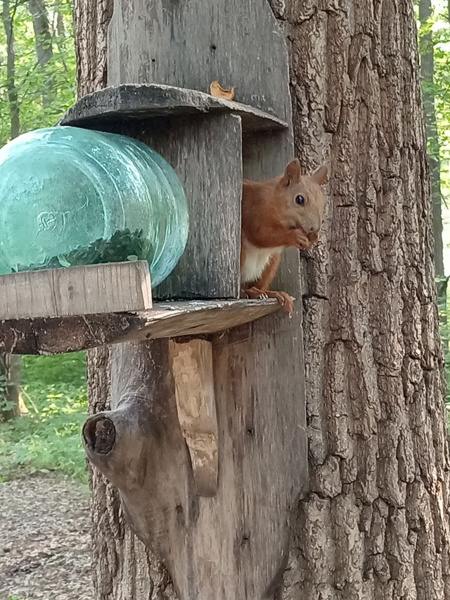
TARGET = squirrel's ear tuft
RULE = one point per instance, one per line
(292, 174)
(321, 175)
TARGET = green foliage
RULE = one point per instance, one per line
(442, 94)
(57, 80)
(48, 437)
(434, 35)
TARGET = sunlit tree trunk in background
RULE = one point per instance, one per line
(10, 365)
(375, 524)
(60, 27)
(8, 13)
(427, 72)
(43, 40)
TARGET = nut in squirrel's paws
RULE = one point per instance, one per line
(302, 240)
(313, 238)
(286, 301)
(306, 241)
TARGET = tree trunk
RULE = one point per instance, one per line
(375, 526)
(427, 72)
(60, 27)
(91, 28)
(375, 523)
(43, 42)
(10, 365)
(8, 14)
(10, 368)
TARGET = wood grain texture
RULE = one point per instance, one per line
(191, 44)
(92, 289)
(143, 102)
(206, 153)
(174, 319)
(192, 369)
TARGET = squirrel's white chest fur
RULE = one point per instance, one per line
(255, 261)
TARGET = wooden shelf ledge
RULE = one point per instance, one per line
(143, 102)
(56, 335)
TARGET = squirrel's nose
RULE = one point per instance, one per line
(315, 224)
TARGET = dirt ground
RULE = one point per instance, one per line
(44, 540)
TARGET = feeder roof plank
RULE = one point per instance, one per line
(142, 102)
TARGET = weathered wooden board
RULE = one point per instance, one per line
(190, 44)
(206, 153)
(192, 369)
(174, 319)
(92, 289)
(122, 103)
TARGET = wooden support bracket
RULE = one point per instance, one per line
(192, 370)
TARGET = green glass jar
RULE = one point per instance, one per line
(71, 196)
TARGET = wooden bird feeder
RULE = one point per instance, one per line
(206, 435)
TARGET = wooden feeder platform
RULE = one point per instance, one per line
(76, 308)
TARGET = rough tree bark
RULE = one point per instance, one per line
(375, 525)
(91, 29)
(43, 42)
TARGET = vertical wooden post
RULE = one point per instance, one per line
(233, 544)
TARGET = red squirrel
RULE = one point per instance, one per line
(282, 212)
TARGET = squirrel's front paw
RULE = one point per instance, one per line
(302, 241)
(283, 298)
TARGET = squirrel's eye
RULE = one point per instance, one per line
(299, 200)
